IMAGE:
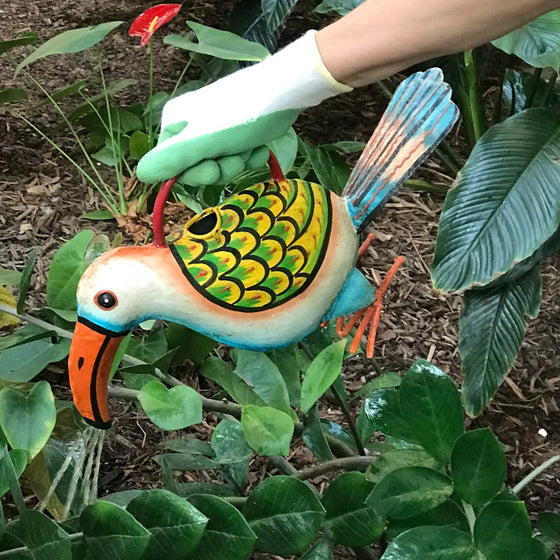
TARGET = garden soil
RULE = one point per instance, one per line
(42, 198)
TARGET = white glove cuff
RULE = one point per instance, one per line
(301, 74)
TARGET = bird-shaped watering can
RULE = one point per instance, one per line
(267, 266)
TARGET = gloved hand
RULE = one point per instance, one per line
(212, 134)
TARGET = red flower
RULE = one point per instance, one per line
(152, 19)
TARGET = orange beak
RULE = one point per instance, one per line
(89, 366)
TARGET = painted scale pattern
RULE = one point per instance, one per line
(268, 244)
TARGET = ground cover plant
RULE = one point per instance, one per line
(430, 489)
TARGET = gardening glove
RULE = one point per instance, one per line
(212, 134)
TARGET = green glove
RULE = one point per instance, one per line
(212, 134)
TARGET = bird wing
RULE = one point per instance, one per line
(259, 249)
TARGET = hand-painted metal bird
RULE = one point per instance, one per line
(268, 265)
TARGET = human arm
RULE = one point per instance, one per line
(380, 38)
(216, 132)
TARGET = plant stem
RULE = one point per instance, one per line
(550, 89)
(69, 125)
(535, 79)
(21, 549)
(424, 186)
(235, 500)
(106, 198)
(344, 463)
(535, 473)
(349, 419)
(180, 78)
(475, 104)
(283, 465)
(14, 483)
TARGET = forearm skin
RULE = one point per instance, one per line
(380, 37)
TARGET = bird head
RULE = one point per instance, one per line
(118, 291)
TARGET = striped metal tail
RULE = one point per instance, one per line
(419, 116)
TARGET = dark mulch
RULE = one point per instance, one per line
(42, 198)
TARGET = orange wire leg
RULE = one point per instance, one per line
(369, 317)
(365, 245)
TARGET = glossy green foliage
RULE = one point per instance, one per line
(492, 327)
(537, 43)
(171, 409)
(510, 203)
(219, 44)
(349, 519)
(478, 466)
(72, 41)
(282, 505)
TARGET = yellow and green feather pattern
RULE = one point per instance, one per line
(259, 249)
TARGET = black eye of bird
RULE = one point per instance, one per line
(106, 300)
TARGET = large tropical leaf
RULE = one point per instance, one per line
(537, 43)
(261, 21)
(490, 333)
(505, 205)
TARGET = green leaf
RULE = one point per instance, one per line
(314, 437)
(385, 380)
(282, 505)
(175, 525)
(321, 550)
(276, 11)
(190, 445)
(28, 420)
(502, 531)
(409, 491)
(447, 514)
(18, 458)
(24, 334)
(478, 466)
(227, 535)
(538, 550)
(150, 347)
(537, 43)
(86, 107)
(337, 431)
(171, 409)
(320, 375)
(393, 459)
(330, 168)
(549, 526)
(111, 532)
(139, 144)
(190, 344)
(381, 411)
(349, 520)
(65, 272)
(341, 7)
(23, 362)
(75, 40)
(12, 94)
(431, 543)
(232, 451)
(220, 372)
(43, 537)
(219, 44)
(285, 149)
(98, 215)
(26, 38)
(9, 277)
(491, 329)
(286, 360)
(25, 281)
(261, 373)
(267, 430)
(511, 203)
(249, 20)
(433, 409)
